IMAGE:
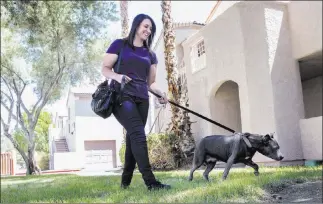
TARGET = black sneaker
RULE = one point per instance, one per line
(157, 185)
(124, 186)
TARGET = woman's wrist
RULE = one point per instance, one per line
(108, 73)
(115, 76)
(155, 89)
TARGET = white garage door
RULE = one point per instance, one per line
(99, 155)
(99, 158)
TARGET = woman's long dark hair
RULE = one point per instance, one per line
(135, 24)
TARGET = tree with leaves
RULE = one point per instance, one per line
(41, 136)
(180, 123)
(41, 133)
(61, 42)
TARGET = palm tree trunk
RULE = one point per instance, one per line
(187, 142)
(171, 63)
(180, 122)
(124, 33)
(124, 18)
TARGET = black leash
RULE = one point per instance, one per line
(199, 115)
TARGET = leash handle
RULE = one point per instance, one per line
(197, 114)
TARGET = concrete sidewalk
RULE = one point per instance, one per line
(101, 172)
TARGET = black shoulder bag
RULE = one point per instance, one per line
(104, 98)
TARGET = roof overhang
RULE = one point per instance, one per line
(191, 25)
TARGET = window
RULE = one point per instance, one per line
(182, 68)
(182, 79)
(198, 56)
(200, 48)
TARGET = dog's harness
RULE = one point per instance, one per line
(246, 141)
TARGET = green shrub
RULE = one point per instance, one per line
(44, 162)
(159, 151)
(122, 152)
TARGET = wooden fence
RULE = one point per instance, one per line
(7, 166)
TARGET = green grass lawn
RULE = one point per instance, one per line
(241, 186)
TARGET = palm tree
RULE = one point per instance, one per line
(170, 62)
(124, 18)
(124, 33)
(187, 143)
(180, 124)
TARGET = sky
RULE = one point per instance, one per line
(182, 11)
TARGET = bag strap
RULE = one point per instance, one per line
(119, 57)
(123, 78)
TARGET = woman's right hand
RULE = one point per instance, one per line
(119, 78)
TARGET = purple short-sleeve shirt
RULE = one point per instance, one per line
(135, 63)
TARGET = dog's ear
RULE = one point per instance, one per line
(266, 138)
(272, 135)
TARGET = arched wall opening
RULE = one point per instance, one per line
(225, 108)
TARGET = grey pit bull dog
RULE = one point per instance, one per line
(236, 148)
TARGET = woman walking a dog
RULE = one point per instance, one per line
(138, 69)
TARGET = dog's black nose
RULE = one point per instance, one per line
(281, 158)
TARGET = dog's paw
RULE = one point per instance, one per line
(223, 179)
(220, 181)
(207, 179)
(256, 173)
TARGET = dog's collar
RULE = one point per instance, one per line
(246, 141)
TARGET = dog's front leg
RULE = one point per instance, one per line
(228, 166)
(250, 163)
(232, 157)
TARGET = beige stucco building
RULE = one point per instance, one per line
(254, 67)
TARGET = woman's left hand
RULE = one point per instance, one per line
(163, 99)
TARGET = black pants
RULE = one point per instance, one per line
(132, 115)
